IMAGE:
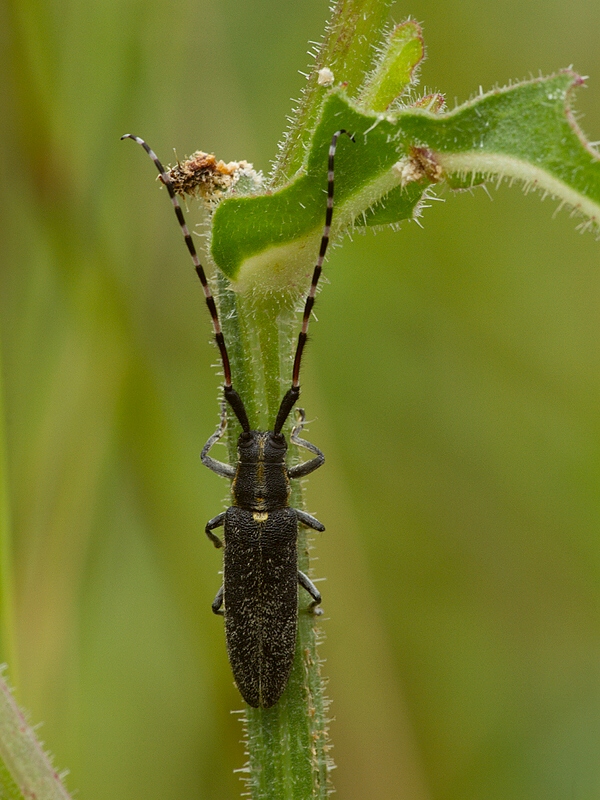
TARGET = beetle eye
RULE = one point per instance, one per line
(245, 438)
(278, 439)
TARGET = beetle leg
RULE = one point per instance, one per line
(307, 584)
(309, 521)
(225, 470)
(215, 522)
(217, 603)
(300, 470)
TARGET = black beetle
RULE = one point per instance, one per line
(259, 596)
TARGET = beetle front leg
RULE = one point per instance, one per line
(215, 522)
(300, 470)
(307, 584)
(225, 470)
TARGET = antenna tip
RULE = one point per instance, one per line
(341, 131)
(127, 136)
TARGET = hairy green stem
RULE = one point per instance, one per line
(287, 744)
(23, 756)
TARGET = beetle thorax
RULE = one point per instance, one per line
(261, 480)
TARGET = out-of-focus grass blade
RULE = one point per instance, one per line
(7, 648)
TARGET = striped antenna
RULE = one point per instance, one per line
(294, 392)
(231, 395)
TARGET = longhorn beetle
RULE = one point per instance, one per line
(259, 595)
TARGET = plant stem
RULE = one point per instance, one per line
(287, 744)
(23, 754)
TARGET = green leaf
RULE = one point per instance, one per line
(347, 51)
(8, 788)
(402, 53)
(525, 132)
(266, 240)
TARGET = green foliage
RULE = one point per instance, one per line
(266, 243)
(8, 788)
(524, 131)
(25, 769)
(453, 380)
(354, 28)
(394, 69)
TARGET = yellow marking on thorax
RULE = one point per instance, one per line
(260, 516)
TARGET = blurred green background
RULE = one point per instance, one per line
(453, 378)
